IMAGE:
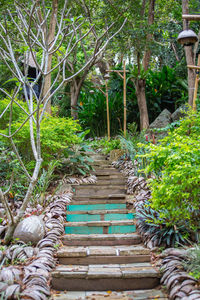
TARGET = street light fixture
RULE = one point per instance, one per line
(187, 37)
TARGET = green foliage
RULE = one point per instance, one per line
(175, 168)
(104, 145)
(57, 134)
(78, 160)
(160, 231)
(10, 167)
(192, 262)
(44, 182)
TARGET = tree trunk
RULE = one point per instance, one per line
(140, 85)
(51, 34)
(75, 89)
(189, 58)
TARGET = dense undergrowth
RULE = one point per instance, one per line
(62, 144)
(172, 169)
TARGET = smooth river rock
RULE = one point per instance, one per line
(31, 229)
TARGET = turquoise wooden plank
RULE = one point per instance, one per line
(121, 229)
(72, 207)
(83, 218)
(110, 217)
(84, 230)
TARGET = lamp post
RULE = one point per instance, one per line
(187, 38)
(122, 74)
(107, 77)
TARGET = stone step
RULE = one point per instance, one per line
(100, 227)
(101, 239)
(99, 216)
(111, 295)
(103, 255)
(94, 198)
(106, 277)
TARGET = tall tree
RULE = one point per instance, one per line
(32, 37)
(190, 57)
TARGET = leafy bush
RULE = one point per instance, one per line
(78, 160)
(175, 168)
(57, 134)
(104, 145)
(10, 167)
(192, 263)
(160, 232)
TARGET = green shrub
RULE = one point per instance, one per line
(175, 168)
(104, 145)
(57, 134)
(192, 262)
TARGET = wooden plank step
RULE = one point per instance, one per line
(100, 212)
(112, 181)
(108, 171)
(105, 277)
(100, 223)
(94, 198)
(111, 295)
(96, 186)
(103, 254)
(101, 239)
(100, 216)
(98, 205)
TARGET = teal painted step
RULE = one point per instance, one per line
(112, 217)
(99, 229)
(107, 217)
(87, 207)
(121, 229)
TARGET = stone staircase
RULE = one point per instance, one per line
(102, 251)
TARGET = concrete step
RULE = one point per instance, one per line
(101, 239)
(94, 198)
(103, 255)
(119, 277)
(111, 295)
(100, 227)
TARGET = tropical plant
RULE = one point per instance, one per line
(192, 262)
(175, 167)
(158, 228)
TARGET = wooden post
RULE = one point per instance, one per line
(196, 85)
(124, 77)
(107, 106)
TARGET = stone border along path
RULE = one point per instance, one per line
(102, 256)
